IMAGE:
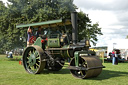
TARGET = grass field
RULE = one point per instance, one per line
(11, 73)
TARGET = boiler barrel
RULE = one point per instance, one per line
(65, 51)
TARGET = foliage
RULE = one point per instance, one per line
(126, 37)
(3, 25)
(29, 11)
(86, 29)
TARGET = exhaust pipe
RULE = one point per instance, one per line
(74, 27)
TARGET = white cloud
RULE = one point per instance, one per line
(112, 16)
(105, 18)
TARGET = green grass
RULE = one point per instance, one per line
(11, 73)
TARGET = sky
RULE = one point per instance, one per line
(112, 16)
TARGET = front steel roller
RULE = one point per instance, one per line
(33, 59)
(91, 64)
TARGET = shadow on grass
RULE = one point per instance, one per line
(106, 74)
(62, 71)
(126, 61)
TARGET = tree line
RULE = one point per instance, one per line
(29, 11)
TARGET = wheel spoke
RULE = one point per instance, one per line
(28, 67)
(27, 61)
(29, 53)
(81, 73)
(33, 68)
(38, 58)
(37, 65)
(37, 55)
(27, 57)
(33, 51)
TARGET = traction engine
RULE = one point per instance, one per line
(50, 50)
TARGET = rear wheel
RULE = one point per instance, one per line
(33, 59)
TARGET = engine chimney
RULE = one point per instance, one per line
(74, 27)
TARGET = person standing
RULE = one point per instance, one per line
(113, 57)
(7, 53)
(29, 33)
(116, 58)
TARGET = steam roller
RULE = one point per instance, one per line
(50, 50)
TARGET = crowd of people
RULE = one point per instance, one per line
(114, 56)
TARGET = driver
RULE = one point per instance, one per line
(30, 34)
(38, 33)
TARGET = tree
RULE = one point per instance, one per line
(29, 11)
(86, 29)
(3, 25)
(126, 37)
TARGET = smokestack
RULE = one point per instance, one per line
(74, 27)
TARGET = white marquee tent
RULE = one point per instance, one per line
(121, 44)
